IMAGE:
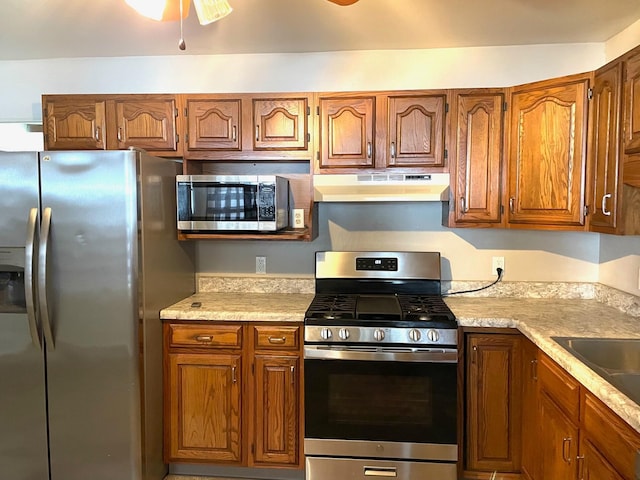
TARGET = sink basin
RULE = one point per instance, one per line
(617, 360)
(614, 354)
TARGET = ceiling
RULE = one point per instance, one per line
(38, 29)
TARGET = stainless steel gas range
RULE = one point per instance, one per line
(380, 359)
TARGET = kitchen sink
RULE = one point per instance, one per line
(617, 360)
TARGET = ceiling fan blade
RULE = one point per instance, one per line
(344, 3)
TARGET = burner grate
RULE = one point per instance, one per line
(332, 306)
(424, 307)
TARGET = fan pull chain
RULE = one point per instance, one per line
(181, 43)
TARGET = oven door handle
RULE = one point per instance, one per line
(380, 472)
(425, 355)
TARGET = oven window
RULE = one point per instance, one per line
(385, 401)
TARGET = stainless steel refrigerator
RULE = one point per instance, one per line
(88, 256)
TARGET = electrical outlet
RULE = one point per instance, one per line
(497, 262)
(261, 265)
(298, 218)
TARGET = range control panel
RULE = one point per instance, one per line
(385, 264)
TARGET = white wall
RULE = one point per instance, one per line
(529, 255)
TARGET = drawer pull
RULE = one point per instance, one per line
(204, 338)
(566, 449)
(277, 340)
(233, 374)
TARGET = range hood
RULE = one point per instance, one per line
(380, 187)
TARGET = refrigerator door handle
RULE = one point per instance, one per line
(29, 285)
(42, 277)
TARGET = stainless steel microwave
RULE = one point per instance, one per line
(208, 203)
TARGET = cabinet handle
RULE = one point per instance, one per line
(97, 134)
(369, 149)
(604, 205)
(292, 368)
(474, 355)
(119, 134)
(257, 133)
(233, 374)
(234, 133)
(580, 459)
(463, 205)
(512, 201)
(566, 449)
(534, 369)
(204, 338)
(277, 340)
(393, 149)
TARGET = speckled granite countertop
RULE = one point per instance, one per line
(541, 319)
(537, 318)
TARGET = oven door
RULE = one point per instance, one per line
(381, 402)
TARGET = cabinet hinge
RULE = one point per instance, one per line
(186, 138)
(446, 108)
(318, 155)
(186, 112)
(308, 137)
(176, 113)
(590, 93)
(585, 210)
(446, 153)
(504, 106)
(177, 138)
(501, 209)
(318, 110)
(308, 110)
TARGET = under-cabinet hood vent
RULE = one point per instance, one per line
(379, 187)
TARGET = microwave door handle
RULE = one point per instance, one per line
(193, 201)
(29, 285)
(42, 277)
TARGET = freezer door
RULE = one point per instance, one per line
(89, 291)
(23, 429)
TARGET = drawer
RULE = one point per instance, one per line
(205, 336)
(560, 386)
(275, 337)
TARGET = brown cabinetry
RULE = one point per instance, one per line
(477, 158)
(530, 424)
(111, 122)
(368, 131)
(232, 394)
(493, 403)
(547, 154)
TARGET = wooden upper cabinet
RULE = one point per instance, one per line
(347, 132)
(214, 124)
(604, 157)
(72, 123)
(476, 163)
(280, 123)
(416, 130)
(547, 155)
(147, 122)
(632, 105)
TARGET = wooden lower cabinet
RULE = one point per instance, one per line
(232, 394)
(493, 395)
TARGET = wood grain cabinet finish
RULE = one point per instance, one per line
(530, 423)
(281, 123)
(632, 104)
(476, 159)
(547, 155)
(213, 124)
(604, 154)
(147, 122)
(72, 123)
(493, 400)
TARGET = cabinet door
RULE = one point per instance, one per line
(632, 105)
(530, 421)
(204, 407)
(595, 465)
(477, 174)
(416, 131)
(148, 123)
(75, 124)
(604, 158)
(493, 402)
(558, 442)
(280, 123)
(276, 409)
(214, 124)
(547, 154)
(347, 135)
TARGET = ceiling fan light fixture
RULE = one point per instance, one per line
(160, 10)
(210, 11)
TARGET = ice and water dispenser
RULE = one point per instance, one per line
(12, 295)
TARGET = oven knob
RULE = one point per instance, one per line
(414, 335)
(378, 334)
(325, 333)
(433, 335)
(343, 333)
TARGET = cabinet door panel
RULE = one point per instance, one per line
(148, 124)
(558, 442)
(416, 131)
(205, 407)
(276, 409)
(596, 466)
(604, 157)
(547, 155)
(479, 134)
(75, 124)
(280, 123)
(530, 421)
(632, 105)
(347, 132)
(214, 124)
